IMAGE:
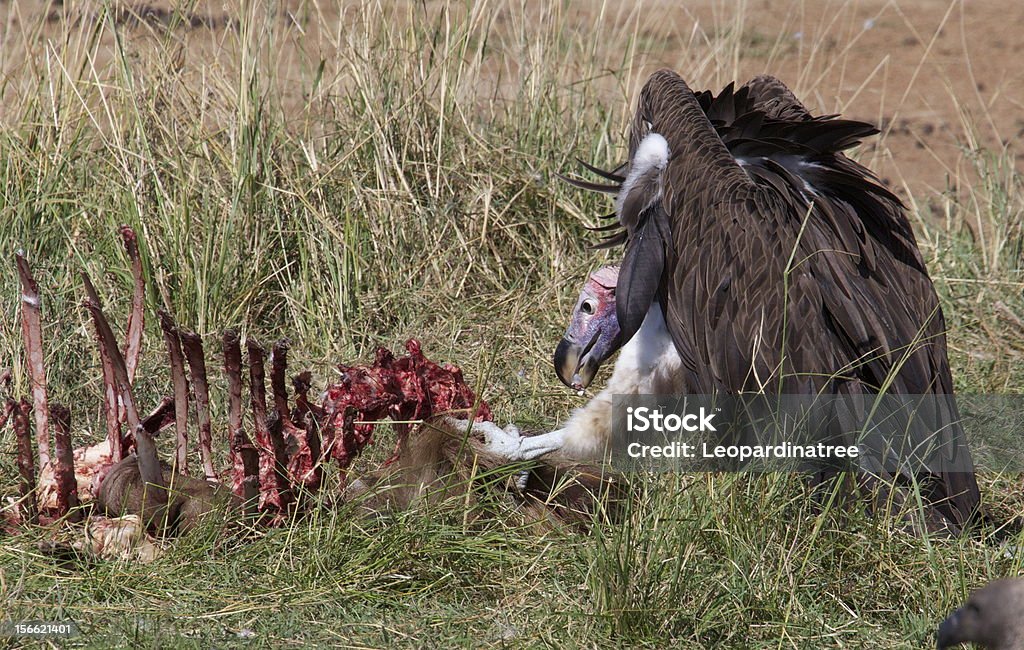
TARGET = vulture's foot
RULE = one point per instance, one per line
(506, 443)
(511, 444)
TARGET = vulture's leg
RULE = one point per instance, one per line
(583, 437)
(504, 443)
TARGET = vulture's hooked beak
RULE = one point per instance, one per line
(573, 366)
(576, 364)
(949, 632)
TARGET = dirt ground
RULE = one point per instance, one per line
(921, 69)
(940, 77)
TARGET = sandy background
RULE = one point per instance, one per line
(942, 79)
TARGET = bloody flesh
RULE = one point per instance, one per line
(405, 389)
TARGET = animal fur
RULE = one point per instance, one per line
(177, 508)
(447, 460)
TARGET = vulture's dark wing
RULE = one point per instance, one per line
(785, 265)
(851, 188)
(775, 99)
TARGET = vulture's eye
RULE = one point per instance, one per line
(587, 307)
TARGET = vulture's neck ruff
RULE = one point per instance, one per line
(643, 183)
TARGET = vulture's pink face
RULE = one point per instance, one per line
(593, 334)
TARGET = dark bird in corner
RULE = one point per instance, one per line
(777, 265)
(992, 618)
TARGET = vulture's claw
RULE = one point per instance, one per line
(521, 479)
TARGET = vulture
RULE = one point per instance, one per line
(774, 264)
(992, 618)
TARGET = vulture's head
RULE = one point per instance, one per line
(593, 334)
(993, 618)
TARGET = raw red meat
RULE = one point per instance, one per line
(405, 389)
